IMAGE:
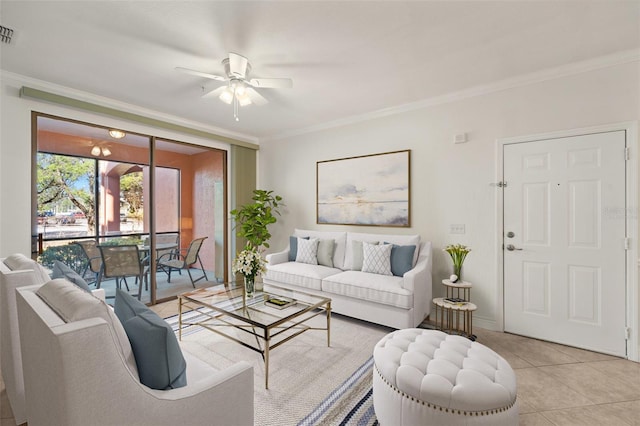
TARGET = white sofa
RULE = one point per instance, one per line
(79, 373)
(394, 301)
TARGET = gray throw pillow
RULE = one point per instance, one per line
(159, 358)
(60, 270)
(325, 252)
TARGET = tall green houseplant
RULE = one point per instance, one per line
(252, 220)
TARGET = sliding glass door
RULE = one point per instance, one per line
(94, 186)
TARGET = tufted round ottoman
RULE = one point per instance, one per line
(424, 377)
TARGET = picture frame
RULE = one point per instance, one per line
(368, 190)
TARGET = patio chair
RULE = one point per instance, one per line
(94, 260)
(184, 261)
(163, 240)
(120, 262)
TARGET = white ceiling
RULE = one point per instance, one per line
(346, 58)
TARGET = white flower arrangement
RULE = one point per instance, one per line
(249, 263)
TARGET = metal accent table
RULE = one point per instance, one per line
(457, 288)
(453, 313)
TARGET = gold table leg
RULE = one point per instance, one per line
(267, 342)
(329, 324)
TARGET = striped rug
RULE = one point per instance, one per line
(351, 403)
(310, 383)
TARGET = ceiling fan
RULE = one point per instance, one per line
(240, 89)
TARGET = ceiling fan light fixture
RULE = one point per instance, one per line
(106, 151)
(95, 151)
(227, 95)
(244, 99)
(117, 134)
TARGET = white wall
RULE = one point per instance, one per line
(450, 184)
(15, 149)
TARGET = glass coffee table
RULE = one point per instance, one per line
(269, 318)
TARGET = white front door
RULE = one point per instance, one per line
(564, 240)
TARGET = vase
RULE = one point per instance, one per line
(249, 286)
(457, 270)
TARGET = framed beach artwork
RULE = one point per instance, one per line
(368, 190)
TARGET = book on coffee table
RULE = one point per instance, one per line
(279, 302)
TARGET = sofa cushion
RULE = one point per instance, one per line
(371, 238)
(325, 252)
(383, 289)
(73, 304)
(339, 237)
(401, 259)
(160, 362)
(18, 262)
(300, 274)
(60, 270)
(307, 251)
(293, 247)
(376, 258)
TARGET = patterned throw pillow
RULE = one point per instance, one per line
(293, 247)
(377, 258)
(307, 251)
(358, 255)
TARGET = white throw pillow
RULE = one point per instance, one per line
(72, 304)
(307, 251)
(377, 258)
(19, 262)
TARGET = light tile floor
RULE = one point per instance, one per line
(557, 385)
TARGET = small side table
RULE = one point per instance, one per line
(453, 313)
(454, 289)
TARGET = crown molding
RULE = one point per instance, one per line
(575, 68)
(59, 91)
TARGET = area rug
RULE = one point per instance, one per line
(309, 383)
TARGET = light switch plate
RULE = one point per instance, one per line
(457, 228)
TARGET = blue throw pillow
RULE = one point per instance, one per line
(155, 347)
(401, 259)
(293, 247)
(60, 270)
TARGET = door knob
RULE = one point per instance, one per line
(511, 247)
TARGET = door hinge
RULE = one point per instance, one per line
(627, 333)
(627, 153)
(627, 243)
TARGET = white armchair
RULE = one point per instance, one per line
(75, 374)
(15, 271)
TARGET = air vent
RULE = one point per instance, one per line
(5, 34)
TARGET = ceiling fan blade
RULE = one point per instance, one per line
(201, 74)
(272, 83)
(215, 92)
(238, 65)
(256, 97)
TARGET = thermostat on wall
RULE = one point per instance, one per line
(460, 138)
